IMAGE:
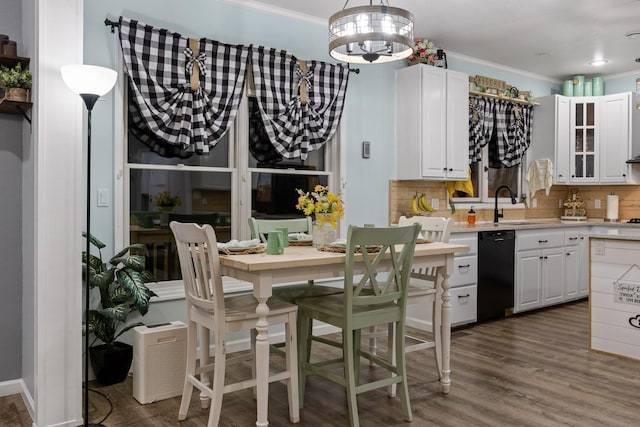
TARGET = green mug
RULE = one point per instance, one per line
(274, 243)
(285, 235)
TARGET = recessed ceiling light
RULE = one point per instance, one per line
(598, 62)
(633, 35)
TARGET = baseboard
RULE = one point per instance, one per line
(421, 324)
(8, 388)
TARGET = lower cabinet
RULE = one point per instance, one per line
(551, 267)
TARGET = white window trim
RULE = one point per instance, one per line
(335, 159)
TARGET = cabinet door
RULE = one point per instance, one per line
(583, 267)
(571, 263)
(614, 137)
(529, 280)
(563, 140)
(584, 140)
(553, 276)
(434, 122)
(457, 126)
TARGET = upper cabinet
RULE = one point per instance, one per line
(589, 138)
(432, 123)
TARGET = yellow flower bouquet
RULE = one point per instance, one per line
(326, 205)
(166, 200)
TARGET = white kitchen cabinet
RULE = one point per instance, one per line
(576, 263)
(432, 123)
(589, 139)
(540, 269)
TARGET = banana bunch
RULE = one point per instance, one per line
(420, 205)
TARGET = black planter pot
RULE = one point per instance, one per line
(111, 366)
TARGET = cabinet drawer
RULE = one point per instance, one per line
(465, 271)
(532, 240)
(573, 237)
(471, 241)
(464, 302)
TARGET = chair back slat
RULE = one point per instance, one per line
(260, 228)
(434, 228)
(385, 273)
(200, 265)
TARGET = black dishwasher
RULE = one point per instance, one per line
(495, 273)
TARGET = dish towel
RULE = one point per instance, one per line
(464, 186)
(540, 176)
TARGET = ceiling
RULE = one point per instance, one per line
(551, 38)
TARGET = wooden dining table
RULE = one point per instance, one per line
(302, 263)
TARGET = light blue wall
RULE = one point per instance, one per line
(369, 113)
(626, 83)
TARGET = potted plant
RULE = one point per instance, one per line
(122, 287)
(16, 82)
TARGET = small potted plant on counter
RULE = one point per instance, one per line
(16, 83)
(122, 287)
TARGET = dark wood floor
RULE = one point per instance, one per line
(528, 370)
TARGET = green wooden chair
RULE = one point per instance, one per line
(375, 293)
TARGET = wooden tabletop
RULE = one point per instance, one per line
(301, 256)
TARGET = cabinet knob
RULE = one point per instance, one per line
(624, 175)
(450, 169)
(573, 176)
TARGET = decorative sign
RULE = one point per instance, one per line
(626, 292)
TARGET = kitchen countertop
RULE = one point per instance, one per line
(627, 230)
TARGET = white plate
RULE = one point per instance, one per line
(300, 237)
(340, 243)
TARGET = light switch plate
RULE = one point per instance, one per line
(103, 197)
(366, 149)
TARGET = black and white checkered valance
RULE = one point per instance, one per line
(168, 115)
(296, 127)
(504, 125)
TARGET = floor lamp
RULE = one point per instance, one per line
(90, 82)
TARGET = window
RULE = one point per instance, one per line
(242, 176)
(486, 176)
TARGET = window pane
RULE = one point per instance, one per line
(579, 115)
(275, 195)
(590, 141)
(590, 166)
(590, 114)
(503, 176)
(218, 156)
(579, 141)
(158, 197)
(579, 166)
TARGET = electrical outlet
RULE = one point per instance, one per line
(596, 204)
(435, 203)
(103, 197)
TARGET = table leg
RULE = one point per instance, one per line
(445, 327)
(262, 362)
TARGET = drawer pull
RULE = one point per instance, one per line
(543, 241)
(464, 266)
(464, 296)
(573, 238)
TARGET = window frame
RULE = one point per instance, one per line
(238, 166)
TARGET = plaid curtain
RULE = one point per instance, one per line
(504, 125)
(481, 123)
(296, 128)
(165, 113)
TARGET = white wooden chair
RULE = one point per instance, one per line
(209, 310)
(422, 287)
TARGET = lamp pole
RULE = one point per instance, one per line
(90, 82)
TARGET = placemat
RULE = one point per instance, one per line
(257, 250)
(342, 250)
(424, 241)
(300, 242)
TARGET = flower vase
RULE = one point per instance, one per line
(164, 215)
(323, 231)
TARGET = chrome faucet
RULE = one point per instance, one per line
(497, 215)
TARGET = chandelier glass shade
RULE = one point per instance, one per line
(371, 34)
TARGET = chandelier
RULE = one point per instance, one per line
(371, 34)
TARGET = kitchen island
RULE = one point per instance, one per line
(614, 296)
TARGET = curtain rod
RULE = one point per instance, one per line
(114, 24)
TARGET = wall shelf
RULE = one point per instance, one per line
(492, 96)
(16, 107)
(11, 61)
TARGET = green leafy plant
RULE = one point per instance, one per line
(15, 77)
(123, 290)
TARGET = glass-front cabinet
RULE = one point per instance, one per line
(584, 139)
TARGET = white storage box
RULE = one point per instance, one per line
(159, 361)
